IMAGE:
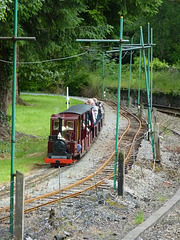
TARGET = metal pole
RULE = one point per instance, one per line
(147, 88)
(118, 100)
(130, 74)
(151, 66)
(13, 120)
(139, 76)
(149, 51)
(127, 49)
(103, 78)
(102, 40)
(149, 54)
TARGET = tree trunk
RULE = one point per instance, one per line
(5, 73)
(4, 129)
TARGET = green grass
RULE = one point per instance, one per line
(162, 198)
(35, 119)
(31, 120)
(23, 165)
(139, 217)
(163, 81)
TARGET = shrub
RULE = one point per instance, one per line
(35, 78)
(80, 81)
(157, 64)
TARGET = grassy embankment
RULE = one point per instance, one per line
(164, 81)
(32, 120)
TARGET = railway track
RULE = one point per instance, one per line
(96, 178)
(47, 173)
(168, 110)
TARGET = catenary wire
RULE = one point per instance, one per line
(44, 61)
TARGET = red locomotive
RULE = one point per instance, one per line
(71, 133)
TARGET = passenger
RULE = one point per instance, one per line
(100, 110)
(78, 147)
(99, 105)
(92, 115)
(94, 109)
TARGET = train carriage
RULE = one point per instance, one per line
(71, 133)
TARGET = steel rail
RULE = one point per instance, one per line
(140, 127)
(84, 179)
(92, 175)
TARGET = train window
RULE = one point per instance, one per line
(67, 130)
(70, 125)
(55, 125)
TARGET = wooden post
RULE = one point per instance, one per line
(121, 174)
(130, 102)
(157, 142)
(19, 207)
(156, 137)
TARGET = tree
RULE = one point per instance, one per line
(56, 25)
(166, 29)
(6, 29)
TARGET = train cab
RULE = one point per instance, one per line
(71, 133)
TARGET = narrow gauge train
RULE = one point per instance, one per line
(71, 133)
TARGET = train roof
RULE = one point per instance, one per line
(78, 109)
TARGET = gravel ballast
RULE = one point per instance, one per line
(102, 214)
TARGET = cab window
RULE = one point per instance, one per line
(56, 124)
(70, 125)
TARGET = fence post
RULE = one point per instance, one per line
(19, 206)
(121, 173)
(156, 137)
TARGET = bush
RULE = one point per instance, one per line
(38, 77)
(157, 64)
(80, 81)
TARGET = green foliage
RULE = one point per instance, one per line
(27, 9)
(139, 217)
(164, 79)
(165, 31)
(157, 64)
(23, 164)
(162, 198)
(4, 8)
(35, 78)
(56, 26)
(160, 65)
(79, 82)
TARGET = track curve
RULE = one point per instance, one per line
(105, 171)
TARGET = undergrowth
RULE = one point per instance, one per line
(139, 217)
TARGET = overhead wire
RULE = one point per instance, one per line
(44, 61)
(55, 59)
